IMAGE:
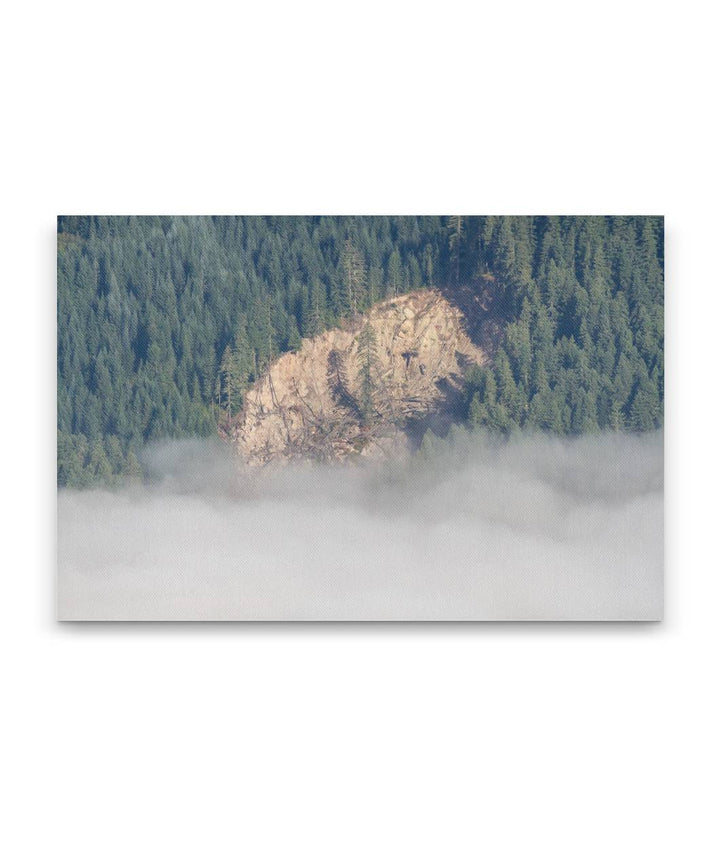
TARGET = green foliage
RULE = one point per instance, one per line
(164, 322)
(581, 299)
(394, 280)
(368, 369)
(354, 278)
(234, 370)
(80, 465)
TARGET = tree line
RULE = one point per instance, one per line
(164, 322)
(583, 302)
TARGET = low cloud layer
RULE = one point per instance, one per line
(536, 528)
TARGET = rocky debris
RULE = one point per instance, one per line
(330, 400)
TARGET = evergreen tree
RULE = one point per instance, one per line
(316, 320)
(232, 382)
(147, 308)
(394, 277)
(367, 361)
(455, 237)
(354, 278)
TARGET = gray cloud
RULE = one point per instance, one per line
(536, 528)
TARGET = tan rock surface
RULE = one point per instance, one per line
(308, 404)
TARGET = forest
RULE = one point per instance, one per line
(164, 322)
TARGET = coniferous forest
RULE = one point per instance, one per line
(164, 322)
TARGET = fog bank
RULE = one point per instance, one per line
(536, 528)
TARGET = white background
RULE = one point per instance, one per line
(359, 739)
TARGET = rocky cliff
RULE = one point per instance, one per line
(369, 389)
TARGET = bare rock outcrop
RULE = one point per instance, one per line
(368, 389)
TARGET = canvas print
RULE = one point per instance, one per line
(421, 418)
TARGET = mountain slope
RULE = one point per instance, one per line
(368, 389)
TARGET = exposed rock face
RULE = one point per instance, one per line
(329, 400)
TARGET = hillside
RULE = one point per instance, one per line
(370, 388)
(166, 323)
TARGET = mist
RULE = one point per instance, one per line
(534, 528)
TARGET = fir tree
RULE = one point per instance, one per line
(394, 277)
(367, 374)
(455, 236)
(147, 306)
(354, 277)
